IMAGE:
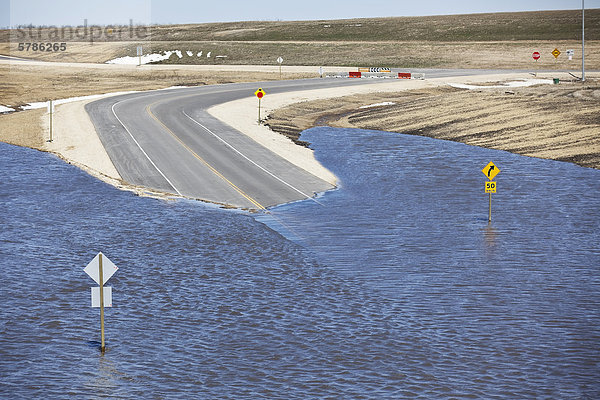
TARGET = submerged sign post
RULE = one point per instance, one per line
(260, 94)
(100, 269)
(490, 171)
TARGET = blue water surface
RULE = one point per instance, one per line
(394, 286)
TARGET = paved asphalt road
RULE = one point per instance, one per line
(165, 140)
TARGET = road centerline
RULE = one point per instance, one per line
(206, 163)
(249, 160)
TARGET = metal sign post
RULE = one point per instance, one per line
(260, 94)
(536, 56)
(101, 276)
(139, 54)
(490, 171)
(100, 269)
(280, 61)
(50, 112)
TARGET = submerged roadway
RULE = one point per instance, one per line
(165, 140)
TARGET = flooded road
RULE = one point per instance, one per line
(394, 287)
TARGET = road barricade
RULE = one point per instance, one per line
(380, 75)
(375, 75)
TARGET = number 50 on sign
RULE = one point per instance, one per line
(490, 187)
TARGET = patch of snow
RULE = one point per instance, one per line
(189, 53)
(179, 54)
(523, 83)
(174, 87)
(199, 54)
(385, 103)
(5, 109)
(146, 58)
(208, 55)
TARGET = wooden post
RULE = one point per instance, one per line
(101, 278)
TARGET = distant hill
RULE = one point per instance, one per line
(538, 25)
(500, 40)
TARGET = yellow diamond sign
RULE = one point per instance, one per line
(490, 171)
(259, 93)
(556, 53)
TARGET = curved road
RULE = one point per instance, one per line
(165, 140)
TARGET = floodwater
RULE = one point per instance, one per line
(393, 286)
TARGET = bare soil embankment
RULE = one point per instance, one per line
(559, 122)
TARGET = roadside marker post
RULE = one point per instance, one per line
(490, 170)
(280, 61)
(536, 56)
(100, 269)
(139, 54)
(50, 112)
(260, 94)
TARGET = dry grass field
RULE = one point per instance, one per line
(24, 83)
(490, 55)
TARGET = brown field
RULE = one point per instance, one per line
(485, 55)
(24, 83)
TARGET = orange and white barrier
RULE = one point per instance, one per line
(376, 75)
